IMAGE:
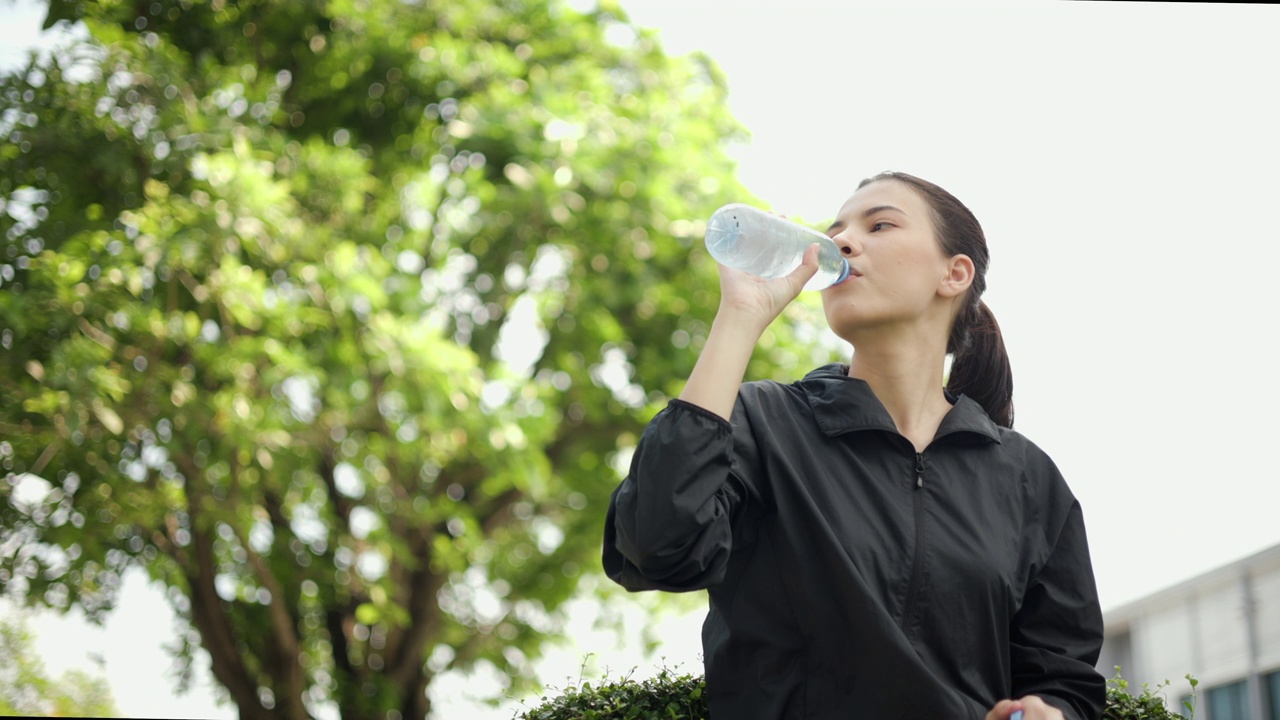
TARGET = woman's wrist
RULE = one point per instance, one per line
(722, 363)
(741, 324)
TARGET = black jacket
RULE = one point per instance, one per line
(851, 577)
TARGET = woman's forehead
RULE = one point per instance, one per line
(884, 193)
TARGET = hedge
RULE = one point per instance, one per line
(669, 696)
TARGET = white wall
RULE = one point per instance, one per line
(1202, 627)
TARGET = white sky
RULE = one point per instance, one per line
(1122, 158)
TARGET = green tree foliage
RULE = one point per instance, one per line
(338, 316)
(25, 689)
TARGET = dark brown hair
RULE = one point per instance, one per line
(980, 365)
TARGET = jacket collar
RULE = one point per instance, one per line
(843, 404)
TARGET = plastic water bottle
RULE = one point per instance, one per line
(769, 246)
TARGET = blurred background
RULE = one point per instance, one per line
(327, 328)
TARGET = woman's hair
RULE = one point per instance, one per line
(980, 365)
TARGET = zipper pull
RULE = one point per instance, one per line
(919, 470)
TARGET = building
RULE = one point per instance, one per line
(1222, 628)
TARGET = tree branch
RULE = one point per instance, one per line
(417, 704)
(424, 622)
(338, 622)
(167, 541)
(341, 506)
(45, 457)
(287, 672)
(497, 511)
(211, 621)
(95, 334)
(206, 606)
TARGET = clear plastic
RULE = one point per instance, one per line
(769, 246)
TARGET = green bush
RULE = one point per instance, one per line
(683, 697)
(1149, 705)
(665, 697)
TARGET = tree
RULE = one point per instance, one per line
(338, 317)
(26, 690)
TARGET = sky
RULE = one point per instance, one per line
(1122, 158)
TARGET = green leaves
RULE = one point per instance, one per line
(1148, 705)
(668, 696)
(26, 689)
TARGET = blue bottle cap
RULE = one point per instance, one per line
(844, 275)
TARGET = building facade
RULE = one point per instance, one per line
(1222, 628)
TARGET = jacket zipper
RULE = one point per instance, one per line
(917, 502)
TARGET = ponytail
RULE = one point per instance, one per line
(980, 365)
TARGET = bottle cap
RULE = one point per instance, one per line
(844, 272)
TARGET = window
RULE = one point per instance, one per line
(1229, 702)
(1272, 691)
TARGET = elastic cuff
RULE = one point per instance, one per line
(699, 410)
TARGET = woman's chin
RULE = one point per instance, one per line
(844, 328)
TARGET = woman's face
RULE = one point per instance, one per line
(898, 273)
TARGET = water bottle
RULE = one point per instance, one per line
(769, 246)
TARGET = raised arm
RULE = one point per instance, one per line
(670, 522)
(747, 305)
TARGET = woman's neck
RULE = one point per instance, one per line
(907, 379)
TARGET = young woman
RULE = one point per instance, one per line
(874, 544)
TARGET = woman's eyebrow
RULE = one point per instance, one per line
(879, 208)
(839, 224)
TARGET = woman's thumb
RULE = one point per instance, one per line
(808, 265)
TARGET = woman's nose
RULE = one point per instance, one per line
(848, 244)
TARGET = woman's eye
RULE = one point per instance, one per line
(876, 227)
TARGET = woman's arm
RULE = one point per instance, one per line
(1056, 635)
(747, 306)
(670, 522)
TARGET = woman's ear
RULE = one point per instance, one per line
(958, 278)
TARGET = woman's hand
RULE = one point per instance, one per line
(759, 301)
(1032, 707)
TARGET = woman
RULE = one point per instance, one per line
(874, 545)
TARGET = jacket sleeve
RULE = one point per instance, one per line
(1057, 633)
(670, 523)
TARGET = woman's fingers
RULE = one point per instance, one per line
(1030, 707)
(1004, 709)
(1033, 708)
